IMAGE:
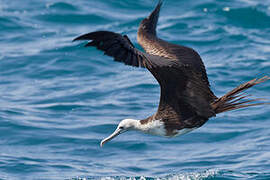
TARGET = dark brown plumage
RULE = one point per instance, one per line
(186, 100)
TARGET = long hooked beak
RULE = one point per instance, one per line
(113, 135)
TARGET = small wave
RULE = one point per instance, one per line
(192, 176)
(214, 174)
(61, 6)
(211, 173)
(246, 17)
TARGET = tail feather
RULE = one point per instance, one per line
(235, 99)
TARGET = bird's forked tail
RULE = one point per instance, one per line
(236, 99)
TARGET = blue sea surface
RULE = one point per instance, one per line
(58, 100)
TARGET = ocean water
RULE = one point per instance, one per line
(59, 99)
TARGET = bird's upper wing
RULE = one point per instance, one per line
(182, 90)
(117, 46)
(153, 45)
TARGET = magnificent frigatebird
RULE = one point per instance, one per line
(186, 100)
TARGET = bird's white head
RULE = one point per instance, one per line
(123, 126)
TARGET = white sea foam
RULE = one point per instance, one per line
(182, 176)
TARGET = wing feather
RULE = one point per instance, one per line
(117, 46)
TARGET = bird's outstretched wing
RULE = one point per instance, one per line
(117, 46)
(183, 94)
(153, 45)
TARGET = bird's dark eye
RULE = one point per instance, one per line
(121, 127)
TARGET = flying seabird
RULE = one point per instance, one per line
(186, 100)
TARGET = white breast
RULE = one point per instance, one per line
(155, 127)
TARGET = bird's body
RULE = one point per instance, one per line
(186, 100)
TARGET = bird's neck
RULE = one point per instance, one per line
(154, 127)
(136, 125)
(148, 126)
